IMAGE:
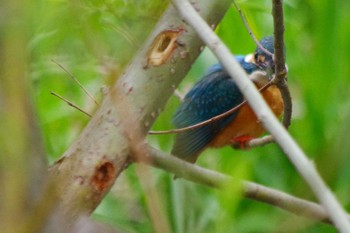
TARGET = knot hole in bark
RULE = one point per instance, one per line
(162, 47)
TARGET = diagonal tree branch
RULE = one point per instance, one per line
(90, 166)
(250, 190)
(270, 122)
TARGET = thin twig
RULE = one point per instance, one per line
(287, 103)
(206, 122)
(70, 103)
(251, 190)
(280, 66)
(250, 31)
(125, 34)
(77, 81)
(262, 141)
(298, 158)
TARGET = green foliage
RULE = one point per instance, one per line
(94, 40)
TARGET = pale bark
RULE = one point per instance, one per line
(90, 166)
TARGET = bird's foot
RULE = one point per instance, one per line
(241, 142)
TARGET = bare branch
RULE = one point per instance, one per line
(280, 77)
(251, 190)
(250, 31)
(70, 103)
(76, 81)
(280, 66)
(287, 103)
(277, 12)
(270, 122)
(90, 166)
(260, 141)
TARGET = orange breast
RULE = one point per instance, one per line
(246, 122)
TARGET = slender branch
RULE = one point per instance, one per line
(250, 31)
(265, 115)
(287, 103)
(258, 142)
(277, 12)
(77, 81)
(70, 103)
(251, 190)
(280, 66)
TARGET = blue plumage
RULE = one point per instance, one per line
(214, 94)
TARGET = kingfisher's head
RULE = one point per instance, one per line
(261, 58)
(256, 73)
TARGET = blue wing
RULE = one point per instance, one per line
(214, 94)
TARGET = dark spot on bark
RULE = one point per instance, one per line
(103, 176)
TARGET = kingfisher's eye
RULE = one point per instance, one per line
(256, 57)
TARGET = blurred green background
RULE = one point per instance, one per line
(95, 39)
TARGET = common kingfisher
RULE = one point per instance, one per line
(217, 93)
